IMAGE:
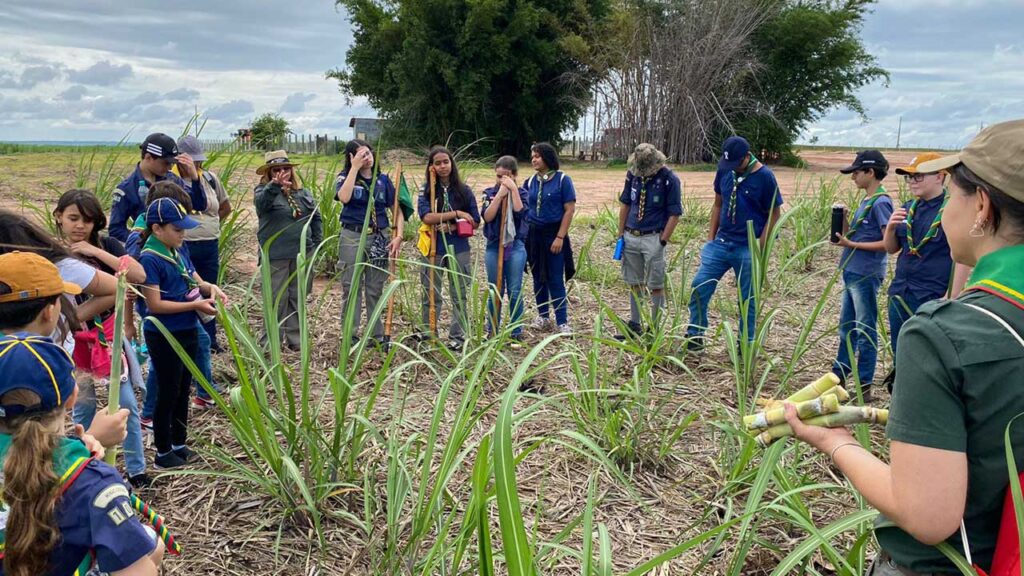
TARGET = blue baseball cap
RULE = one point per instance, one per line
(35, 363)
(734, 150)
(169, 211)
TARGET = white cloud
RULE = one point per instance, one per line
(102, 73)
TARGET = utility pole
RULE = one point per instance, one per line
(899, 130)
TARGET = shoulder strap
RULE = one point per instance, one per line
(1016, 335)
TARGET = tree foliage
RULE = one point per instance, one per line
(505, 73)
(812, 60)
(269, 130)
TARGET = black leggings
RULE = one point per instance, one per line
(173, 380)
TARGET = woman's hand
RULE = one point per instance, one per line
(463, 215)
(822, 438)
(556, 246)
(360, 158)
(508, 184)
(395, 247)
(283, 178)
(84, 248)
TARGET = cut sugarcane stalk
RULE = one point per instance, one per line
(827, 404)
(815, 389)
(846, 416)
(840, 393)
(116, 349)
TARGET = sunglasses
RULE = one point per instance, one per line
(279, 169)
(917, 177)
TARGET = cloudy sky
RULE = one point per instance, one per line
(97, 69)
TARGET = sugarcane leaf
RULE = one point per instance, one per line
(809, 545)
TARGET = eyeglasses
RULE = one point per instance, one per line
(917, 177)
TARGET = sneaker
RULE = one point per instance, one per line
(203, 403)
(422, 336)
(890, 378)
(565, 329)
(146, 424)
(695, 343)
(140, 481)
(168, 461)
(540, 323)
(456, 344)
(185, 454)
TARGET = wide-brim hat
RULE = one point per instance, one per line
(275, 159)
(996, 155)
(646, 160)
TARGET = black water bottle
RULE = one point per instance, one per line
(838, 222)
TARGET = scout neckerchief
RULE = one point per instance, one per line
(933, 229)
(998, 273)
(643, 201)
(160, 250)
(542, 179)
(296, 211)
(737, 180)
(867, 210)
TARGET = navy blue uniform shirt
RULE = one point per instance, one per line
(173, 287)
(129, 204)
(755, 196)
(458, 245)
(662, 199)
(355, 210)
(546, 200)
(492, 229)
(866, 262)
(924, 276)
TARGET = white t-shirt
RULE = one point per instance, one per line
(77, 272)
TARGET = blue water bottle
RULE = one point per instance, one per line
(620, 244)
(143, 191)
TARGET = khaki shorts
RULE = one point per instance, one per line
(643, 261)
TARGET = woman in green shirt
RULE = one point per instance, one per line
(957, 379)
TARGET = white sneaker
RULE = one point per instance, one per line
(540, 323)
(565, 328)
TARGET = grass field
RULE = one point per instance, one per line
(347, 460)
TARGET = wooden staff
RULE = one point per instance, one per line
(395, 214)
(433, 253)
(503, 214)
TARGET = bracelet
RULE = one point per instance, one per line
(560, 237)
(832, 455)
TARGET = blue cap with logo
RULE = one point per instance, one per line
(734, 150)
(169, 211)
(35, 363)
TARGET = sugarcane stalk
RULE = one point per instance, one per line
(432, 314)
(395, 214)
(827, 404)
(846, 416)
(839, 392)
(116, 348)
(815, 389)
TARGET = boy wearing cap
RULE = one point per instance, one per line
(914, 231)
(863, 266)
(745, 191)
(92, 515)
(174, 294)
(203, 241)
(650, 207)
(159, 153)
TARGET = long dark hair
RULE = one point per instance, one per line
(351, 148)
(1004, 207)
(461, 198)
(88, 206)
(18, 233)
(547, 153)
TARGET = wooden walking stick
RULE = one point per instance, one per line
(503, 214)
(392, 261)
(433, 254)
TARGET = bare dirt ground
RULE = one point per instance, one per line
(226, 529)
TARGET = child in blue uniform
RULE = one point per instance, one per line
(513, 252)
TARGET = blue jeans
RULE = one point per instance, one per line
(85, 409)
(716, 258)
(858, 323)
(901, 308)
(552, 293)
(205, 255)
(511, 283)
(202, 361)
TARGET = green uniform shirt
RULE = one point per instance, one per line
(959, 383)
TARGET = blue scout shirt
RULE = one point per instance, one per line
(662, 195)
(865, 262)
(133, 247)
(546, 200)
(128, 203)
(924, 276)
(444, 239)
(173, 287)
(492, 230)
(95, 513)
(756, 195)
(355, 210)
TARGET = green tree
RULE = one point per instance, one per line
(812, 61)
(498, 73)
(269, 131)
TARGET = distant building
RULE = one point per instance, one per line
(367, 129)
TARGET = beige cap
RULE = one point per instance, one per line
(996, 155)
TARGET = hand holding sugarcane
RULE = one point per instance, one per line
(812, 414)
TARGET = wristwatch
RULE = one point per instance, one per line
(663, 242)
